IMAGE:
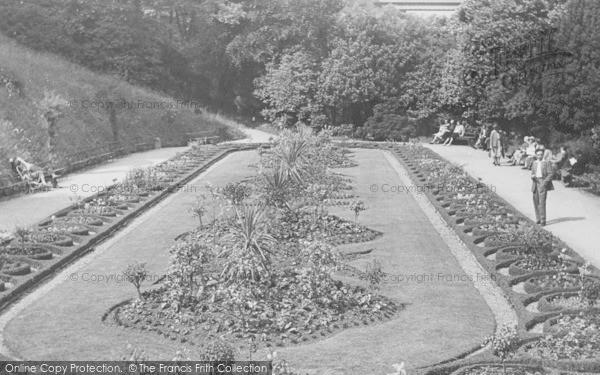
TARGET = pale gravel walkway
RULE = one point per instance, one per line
(489, 290)
(573, 215)
(28, 209)
(254, 136)
(64, 276)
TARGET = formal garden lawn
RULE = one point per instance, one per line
(325, 307)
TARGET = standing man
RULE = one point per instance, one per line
(495, 145)
(541, 174)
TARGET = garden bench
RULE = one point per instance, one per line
(468, 138)
(11, 184)
(591, 180)
(206, 137)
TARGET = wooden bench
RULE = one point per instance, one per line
(588, 180)
(11, 185)
(468, 138)
(204, 137)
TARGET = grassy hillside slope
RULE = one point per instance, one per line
(50, 107)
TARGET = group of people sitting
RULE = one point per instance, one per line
(496, 141)
(562, 162)
(31, 173)
(448, 132)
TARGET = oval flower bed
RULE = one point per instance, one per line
(510, 252)
(540, 262)
(53, 238)
(561, 301)
(121, 199)
(568, 338)
(32, 252)
(94, 210)
(62, 227)
(559, 281)
(14, 267)
(79, 220)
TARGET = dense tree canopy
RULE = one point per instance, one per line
(526, 64)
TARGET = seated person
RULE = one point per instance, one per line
(483, 134)
(520, 154)
(448, 133)
(458, 131)
(530, 153)
(562, 166)
(32, 172)
(443, 129)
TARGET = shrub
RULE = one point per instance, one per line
(504, 342)
(136, 274)
(218, 350)
(185, 278)
(388, 126)
(373, 274)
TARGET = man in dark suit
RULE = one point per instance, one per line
(541, 174)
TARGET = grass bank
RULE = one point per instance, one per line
(50, 107)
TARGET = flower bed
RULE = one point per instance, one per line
(79, 220)
(495, 369)
(63, 227)
(302, 225)
(571, 337)
(14, 267)
(508, 240)
(282, 319)
(535, 262)
(58, 239)
(511, 252)
(93, 211)
(32, 252)
(263, 268)
(557, 281)
(561, 301)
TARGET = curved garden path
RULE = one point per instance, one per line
(443, 318)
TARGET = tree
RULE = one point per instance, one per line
(136, 274)
(288, 89)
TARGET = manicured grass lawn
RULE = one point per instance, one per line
(441, 319)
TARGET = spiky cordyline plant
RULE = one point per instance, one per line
(294, 157)
(276, 184)
(248, 246)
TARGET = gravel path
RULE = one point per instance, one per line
(28, 209)
(573, 215)
(254, 136)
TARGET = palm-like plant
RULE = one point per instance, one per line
(294, 157)
(248, 246)
(276, 184)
